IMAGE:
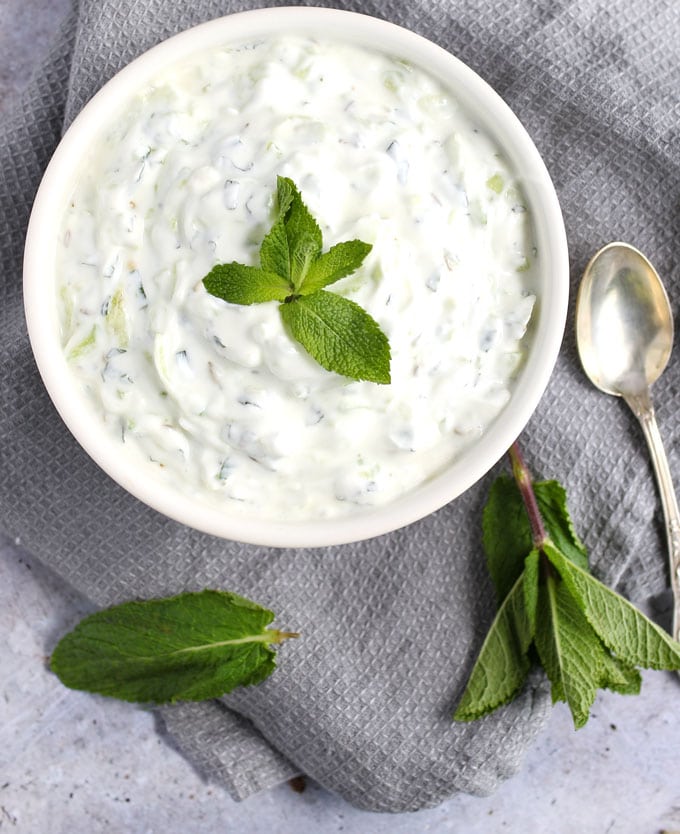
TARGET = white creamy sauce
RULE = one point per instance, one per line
(217, 397)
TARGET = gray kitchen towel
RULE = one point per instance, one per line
(362, 702)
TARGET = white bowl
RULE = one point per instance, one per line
(478, 99)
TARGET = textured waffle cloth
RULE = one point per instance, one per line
(362, 703)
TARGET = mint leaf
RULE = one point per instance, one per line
(570, 651)
(188, 647)
(552, 502)
(620, 676)
(239, 284)
(340, 335)
(622, 628)
(585, 635)
(532, 566)
(274, 254)
(502, 665)
(293, 266)
(303, 234)
(506, 534)
(286, 191)
(340, 260)
(274, 250)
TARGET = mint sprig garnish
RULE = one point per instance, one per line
(189, 647)
(339, 334)
(552, 609)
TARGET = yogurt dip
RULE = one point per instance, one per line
(217, 398)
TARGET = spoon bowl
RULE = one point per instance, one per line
(624, 334)
(624, 323)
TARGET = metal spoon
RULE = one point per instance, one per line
(624, 333)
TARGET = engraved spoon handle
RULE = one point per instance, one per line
(643, 409)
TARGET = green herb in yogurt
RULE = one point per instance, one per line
(218, 400)
(339, 334)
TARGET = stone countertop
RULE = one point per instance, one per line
(71, 762)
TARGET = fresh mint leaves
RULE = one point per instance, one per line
(339, 334)
(242, 284)
(197, 646)
(551, 608)
(183, 648)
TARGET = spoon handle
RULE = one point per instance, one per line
(643, 409)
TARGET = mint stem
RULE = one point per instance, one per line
(276, 636)
(524, 482)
